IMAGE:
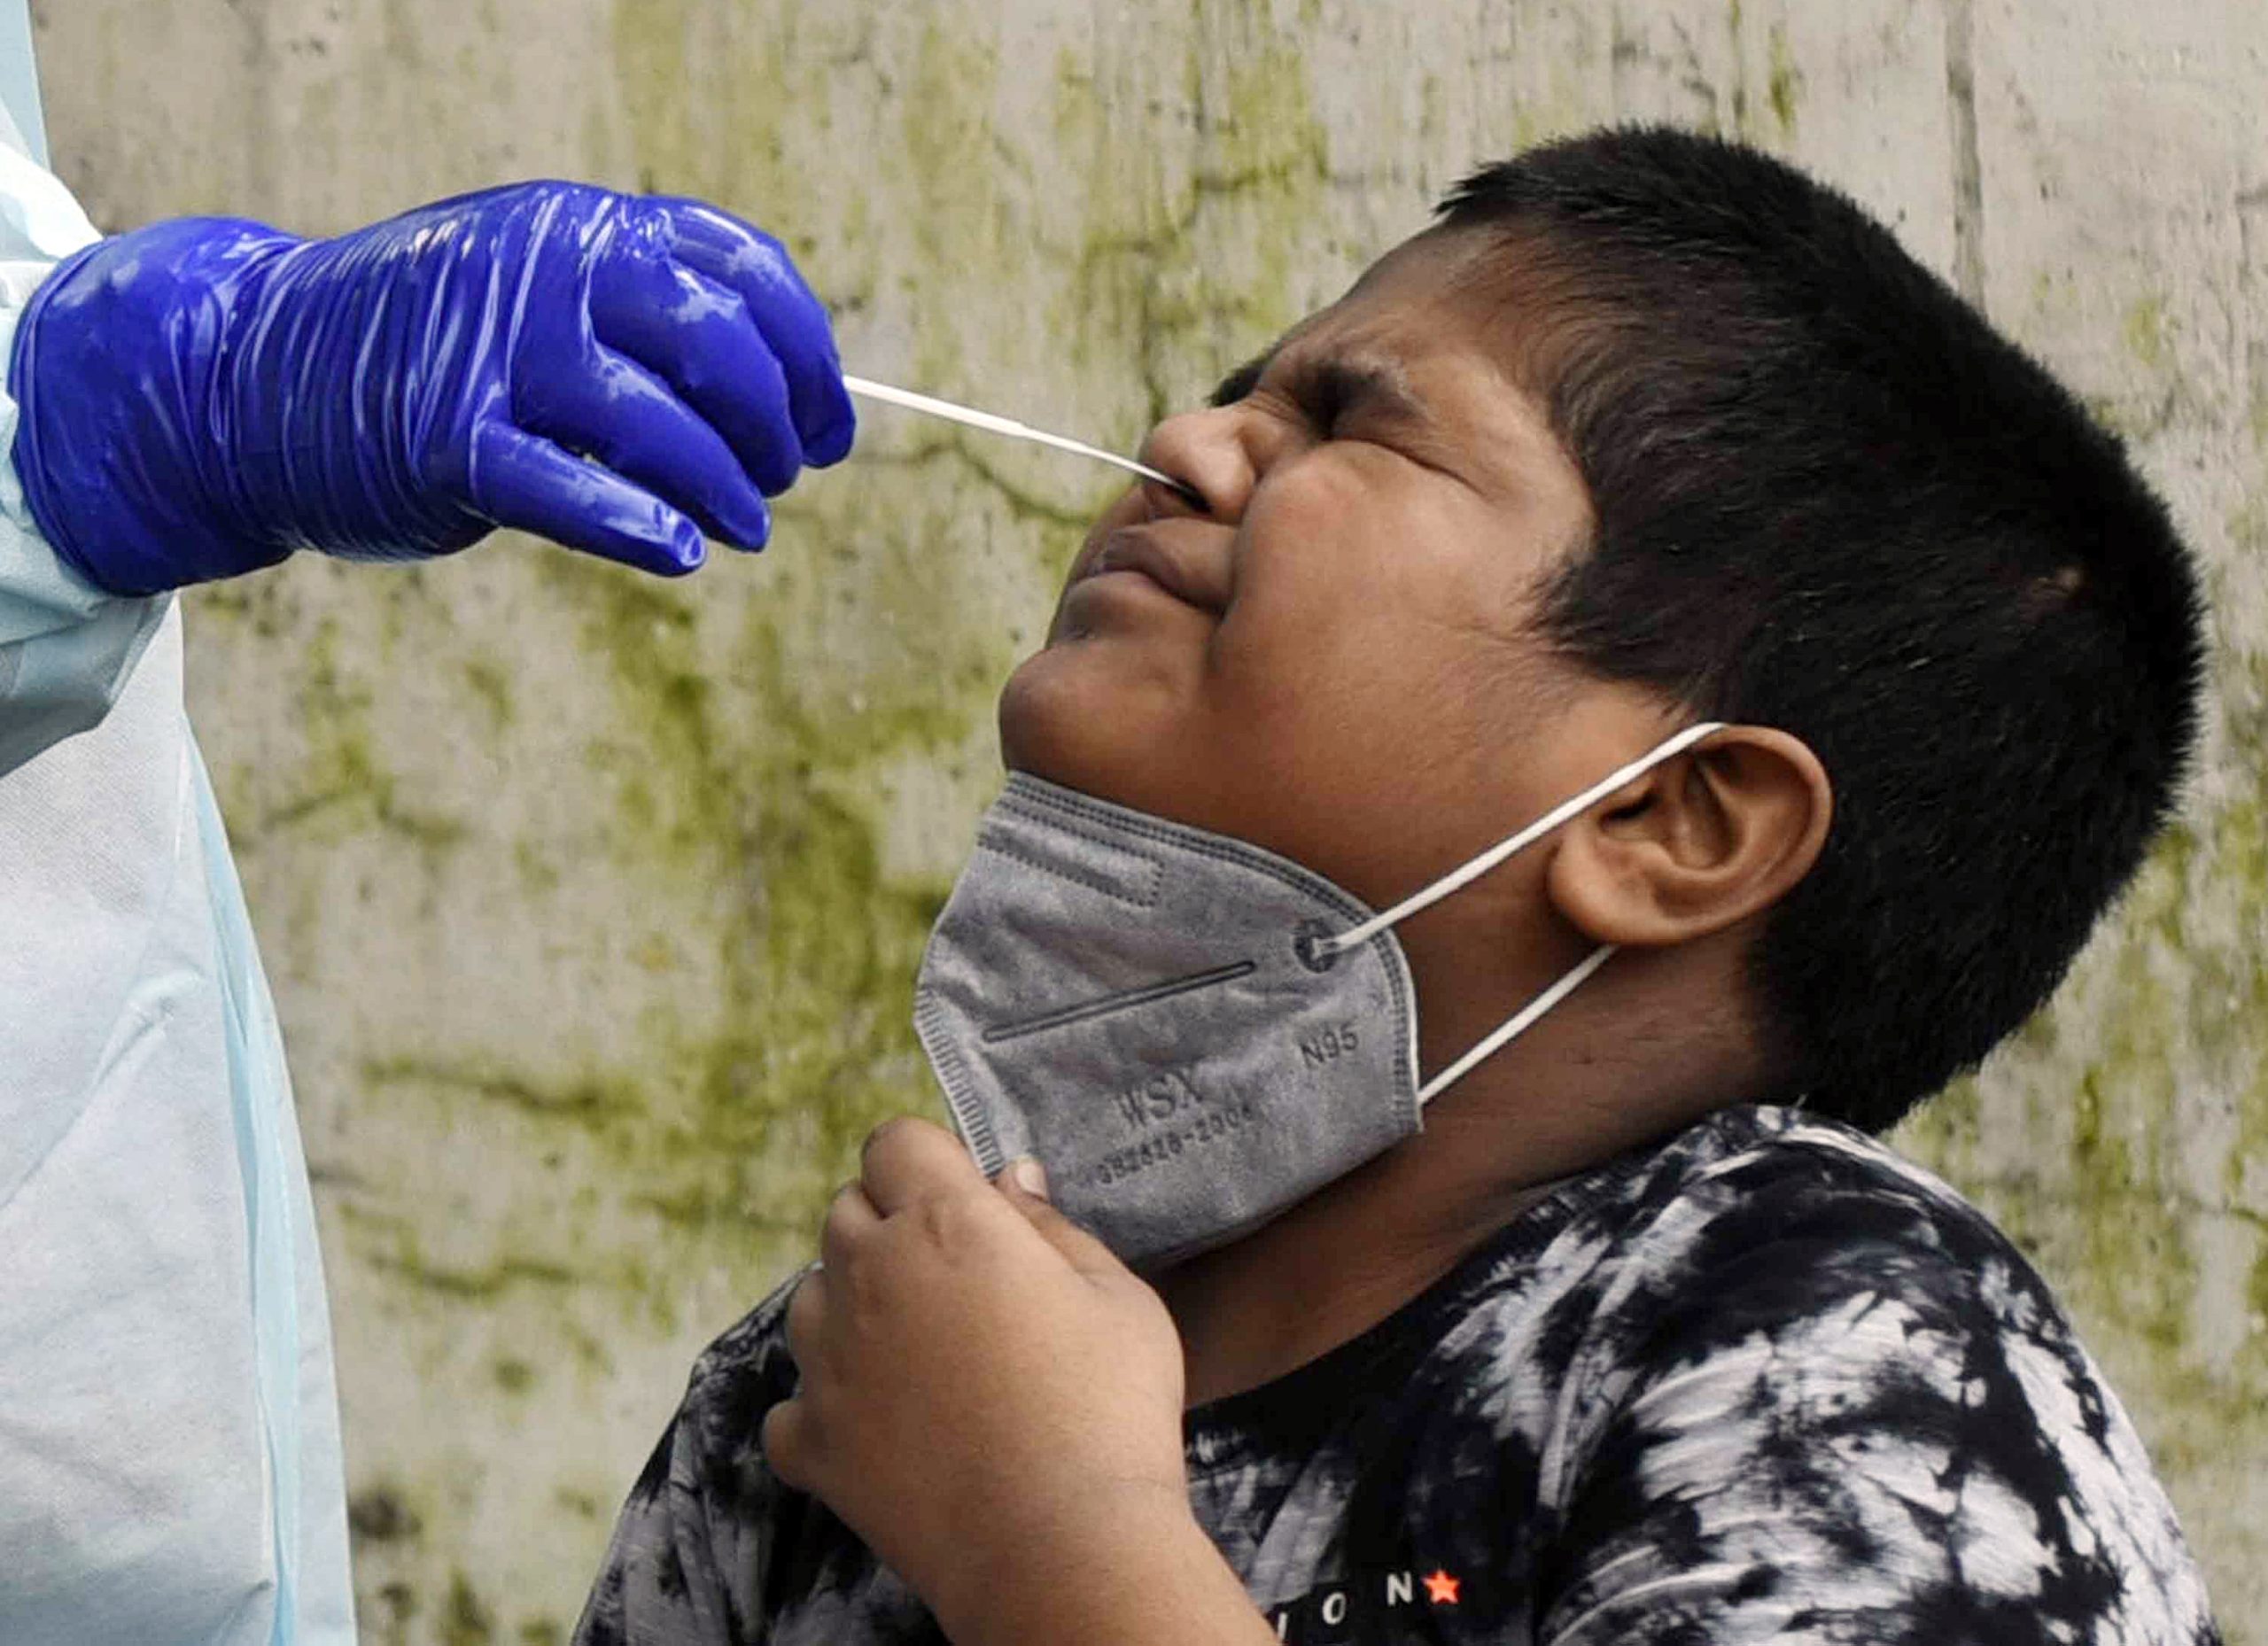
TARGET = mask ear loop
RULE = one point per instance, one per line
(1505, 1033)
(1456, 880)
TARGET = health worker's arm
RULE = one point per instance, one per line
(66, 646)
(624, 375)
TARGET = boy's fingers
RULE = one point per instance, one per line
(806, 1307)
(783, 1440)
(909, 1158)
(1077, 1247)
(850, 1218)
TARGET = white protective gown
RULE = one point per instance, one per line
(169, 1457)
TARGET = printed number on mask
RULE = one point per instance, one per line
(1329, 1047)
(1121, 1164)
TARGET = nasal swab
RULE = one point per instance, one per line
(935, 408)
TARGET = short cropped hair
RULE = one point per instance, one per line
(1830, 498)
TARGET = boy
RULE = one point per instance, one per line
(1642, 1337)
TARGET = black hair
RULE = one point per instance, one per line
(1830, 499)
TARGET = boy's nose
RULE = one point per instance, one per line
(1206, 450)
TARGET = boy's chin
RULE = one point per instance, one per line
(1088, 712)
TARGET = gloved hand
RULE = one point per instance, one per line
(201, 397)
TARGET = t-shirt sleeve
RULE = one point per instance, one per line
(660, 1583)
(1850, 1415)
(690, 1556)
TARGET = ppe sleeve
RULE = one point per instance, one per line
(66, 647)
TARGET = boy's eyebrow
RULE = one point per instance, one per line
(1328, 387)
(1242, 381)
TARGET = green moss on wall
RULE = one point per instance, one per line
(1784, 87)
(2145, 331)
(467, 1620)
(340, 783)
(1177, 276)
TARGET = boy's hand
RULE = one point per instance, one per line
(988, 1397)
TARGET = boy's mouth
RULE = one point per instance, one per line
(1194, 572)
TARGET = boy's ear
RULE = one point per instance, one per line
(1700, 843)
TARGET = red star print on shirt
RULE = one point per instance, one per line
(1440, 1587)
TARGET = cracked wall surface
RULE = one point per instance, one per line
(592, 904)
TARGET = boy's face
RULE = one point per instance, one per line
(1340, 661)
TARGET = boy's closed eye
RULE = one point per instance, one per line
(1328, 392)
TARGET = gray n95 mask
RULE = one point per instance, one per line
(1190, 1033)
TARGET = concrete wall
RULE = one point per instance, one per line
(591, 904)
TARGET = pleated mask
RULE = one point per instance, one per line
(1190, 1033)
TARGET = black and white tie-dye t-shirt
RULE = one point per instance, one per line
(1768, 1382)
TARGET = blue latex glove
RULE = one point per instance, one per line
(201, 397)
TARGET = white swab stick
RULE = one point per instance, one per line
(935, 408)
